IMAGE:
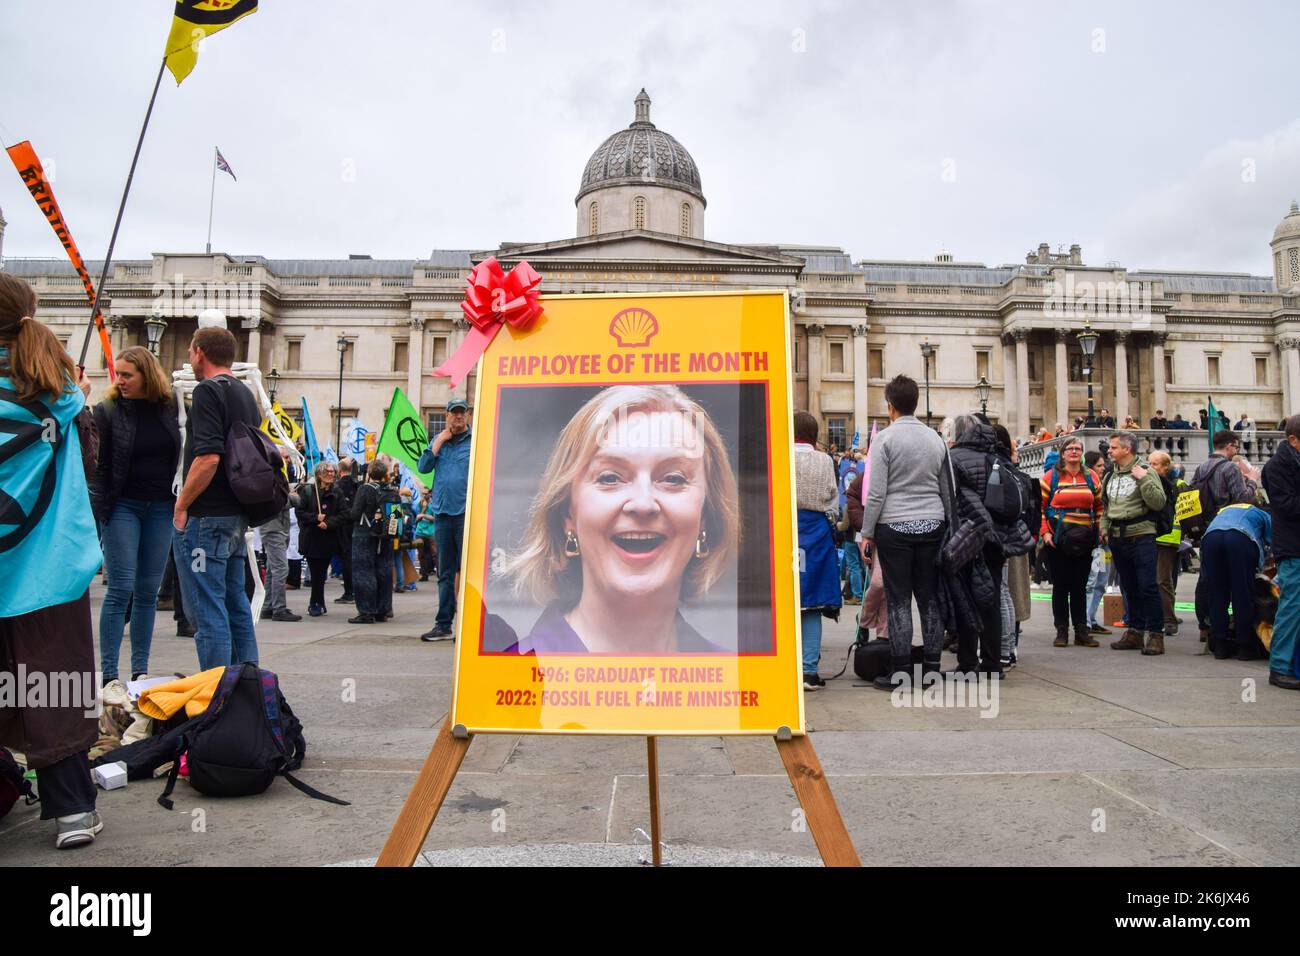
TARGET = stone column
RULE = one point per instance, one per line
(815, 344)
(860, 378)
(1062, 378)
(1291, 362)
(1158, 372)
(254, 356)
(1121, 375)
(1021, 337)
(460, 326)
(415, 361)
(1010, 415)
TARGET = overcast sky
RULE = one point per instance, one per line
(1161, 135)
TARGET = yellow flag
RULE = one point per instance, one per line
(291, 428)
(194, 21)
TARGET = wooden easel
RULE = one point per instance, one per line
(444, 760)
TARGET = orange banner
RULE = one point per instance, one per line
(29, 167)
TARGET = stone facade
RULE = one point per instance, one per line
(1167, 339)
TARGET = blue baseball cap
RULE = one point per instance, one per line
(457, 405)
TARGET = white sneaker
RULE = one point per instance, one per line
(77, 829)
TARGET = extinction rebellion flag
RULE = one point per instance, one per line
(404, 437)
(192, 23)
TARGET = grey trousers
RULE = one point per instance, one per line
(276, 545)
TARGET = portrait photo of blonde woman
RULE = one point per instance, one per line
(619, 526)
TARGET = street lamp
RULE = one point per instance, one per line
(273, 381)
(154, 327)
(927, 350)
(983, 388)
(338, 419)
(1088, 342)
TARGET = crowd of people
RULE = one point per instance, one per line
(152, 488)
(943, 518)
(949, 521)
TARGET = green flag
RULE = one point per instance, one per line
(403, 437)
(1211, 421)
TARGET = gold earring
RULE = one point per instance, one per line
(702, 544)
(571, 548)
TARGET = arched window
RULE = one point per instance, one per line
(686, 219)
(594, 216)
(638, 212)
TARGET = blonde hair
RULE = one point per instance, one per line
(155, 388)
(1159, 457)
(542, 570)
(37, 363)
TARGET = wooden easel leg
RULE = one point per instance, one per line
(425, 799)
(814, 794)
(652, 753)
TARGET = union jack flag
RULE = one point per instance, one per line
(225, 166)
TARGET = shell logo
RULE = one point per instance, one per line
(634, 328)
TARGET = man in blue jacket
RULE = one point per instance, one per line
(1282, 482)
(448, 458)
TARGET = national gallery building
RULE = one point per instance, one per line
(1166, 339)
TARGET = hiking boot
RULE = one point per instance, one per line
(1062, 636)
(1171, 630)
(1285, 681)
(78, 829)
(1082, 638)
(1155, 644)
(1131, 641)
(1098, 629)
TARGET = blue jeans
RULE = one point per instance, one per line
(1135, 560)
(448, 537)
(210, 561)
(853, 559)
(1282, 652)
(136, 539)
(811, 626)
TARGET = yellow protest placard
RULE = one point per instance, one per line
(291, 428)
(1187, 506)
(630, 548)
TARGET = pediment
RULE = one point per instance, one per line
(640, 246)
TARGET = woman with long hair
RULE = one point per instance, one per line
(817, 503)
(139, 446)
(48, 557)
(637, 514)
(322, 511)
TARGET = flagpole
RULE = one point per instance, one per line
(126, 191)
(211, 197)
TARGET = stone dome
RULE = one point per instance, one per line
(1290, 226)
(644, 154)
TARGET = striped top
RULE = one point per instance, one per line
(1081, 506)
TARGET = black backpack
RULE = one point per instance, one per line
(1004, 496)
(13, 784)
(253, 468)
(247, 737)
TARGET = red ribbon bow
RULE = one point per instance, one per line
(493, 299)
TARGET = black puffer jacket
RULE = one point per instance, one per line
(115, 421)
(970, 462)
